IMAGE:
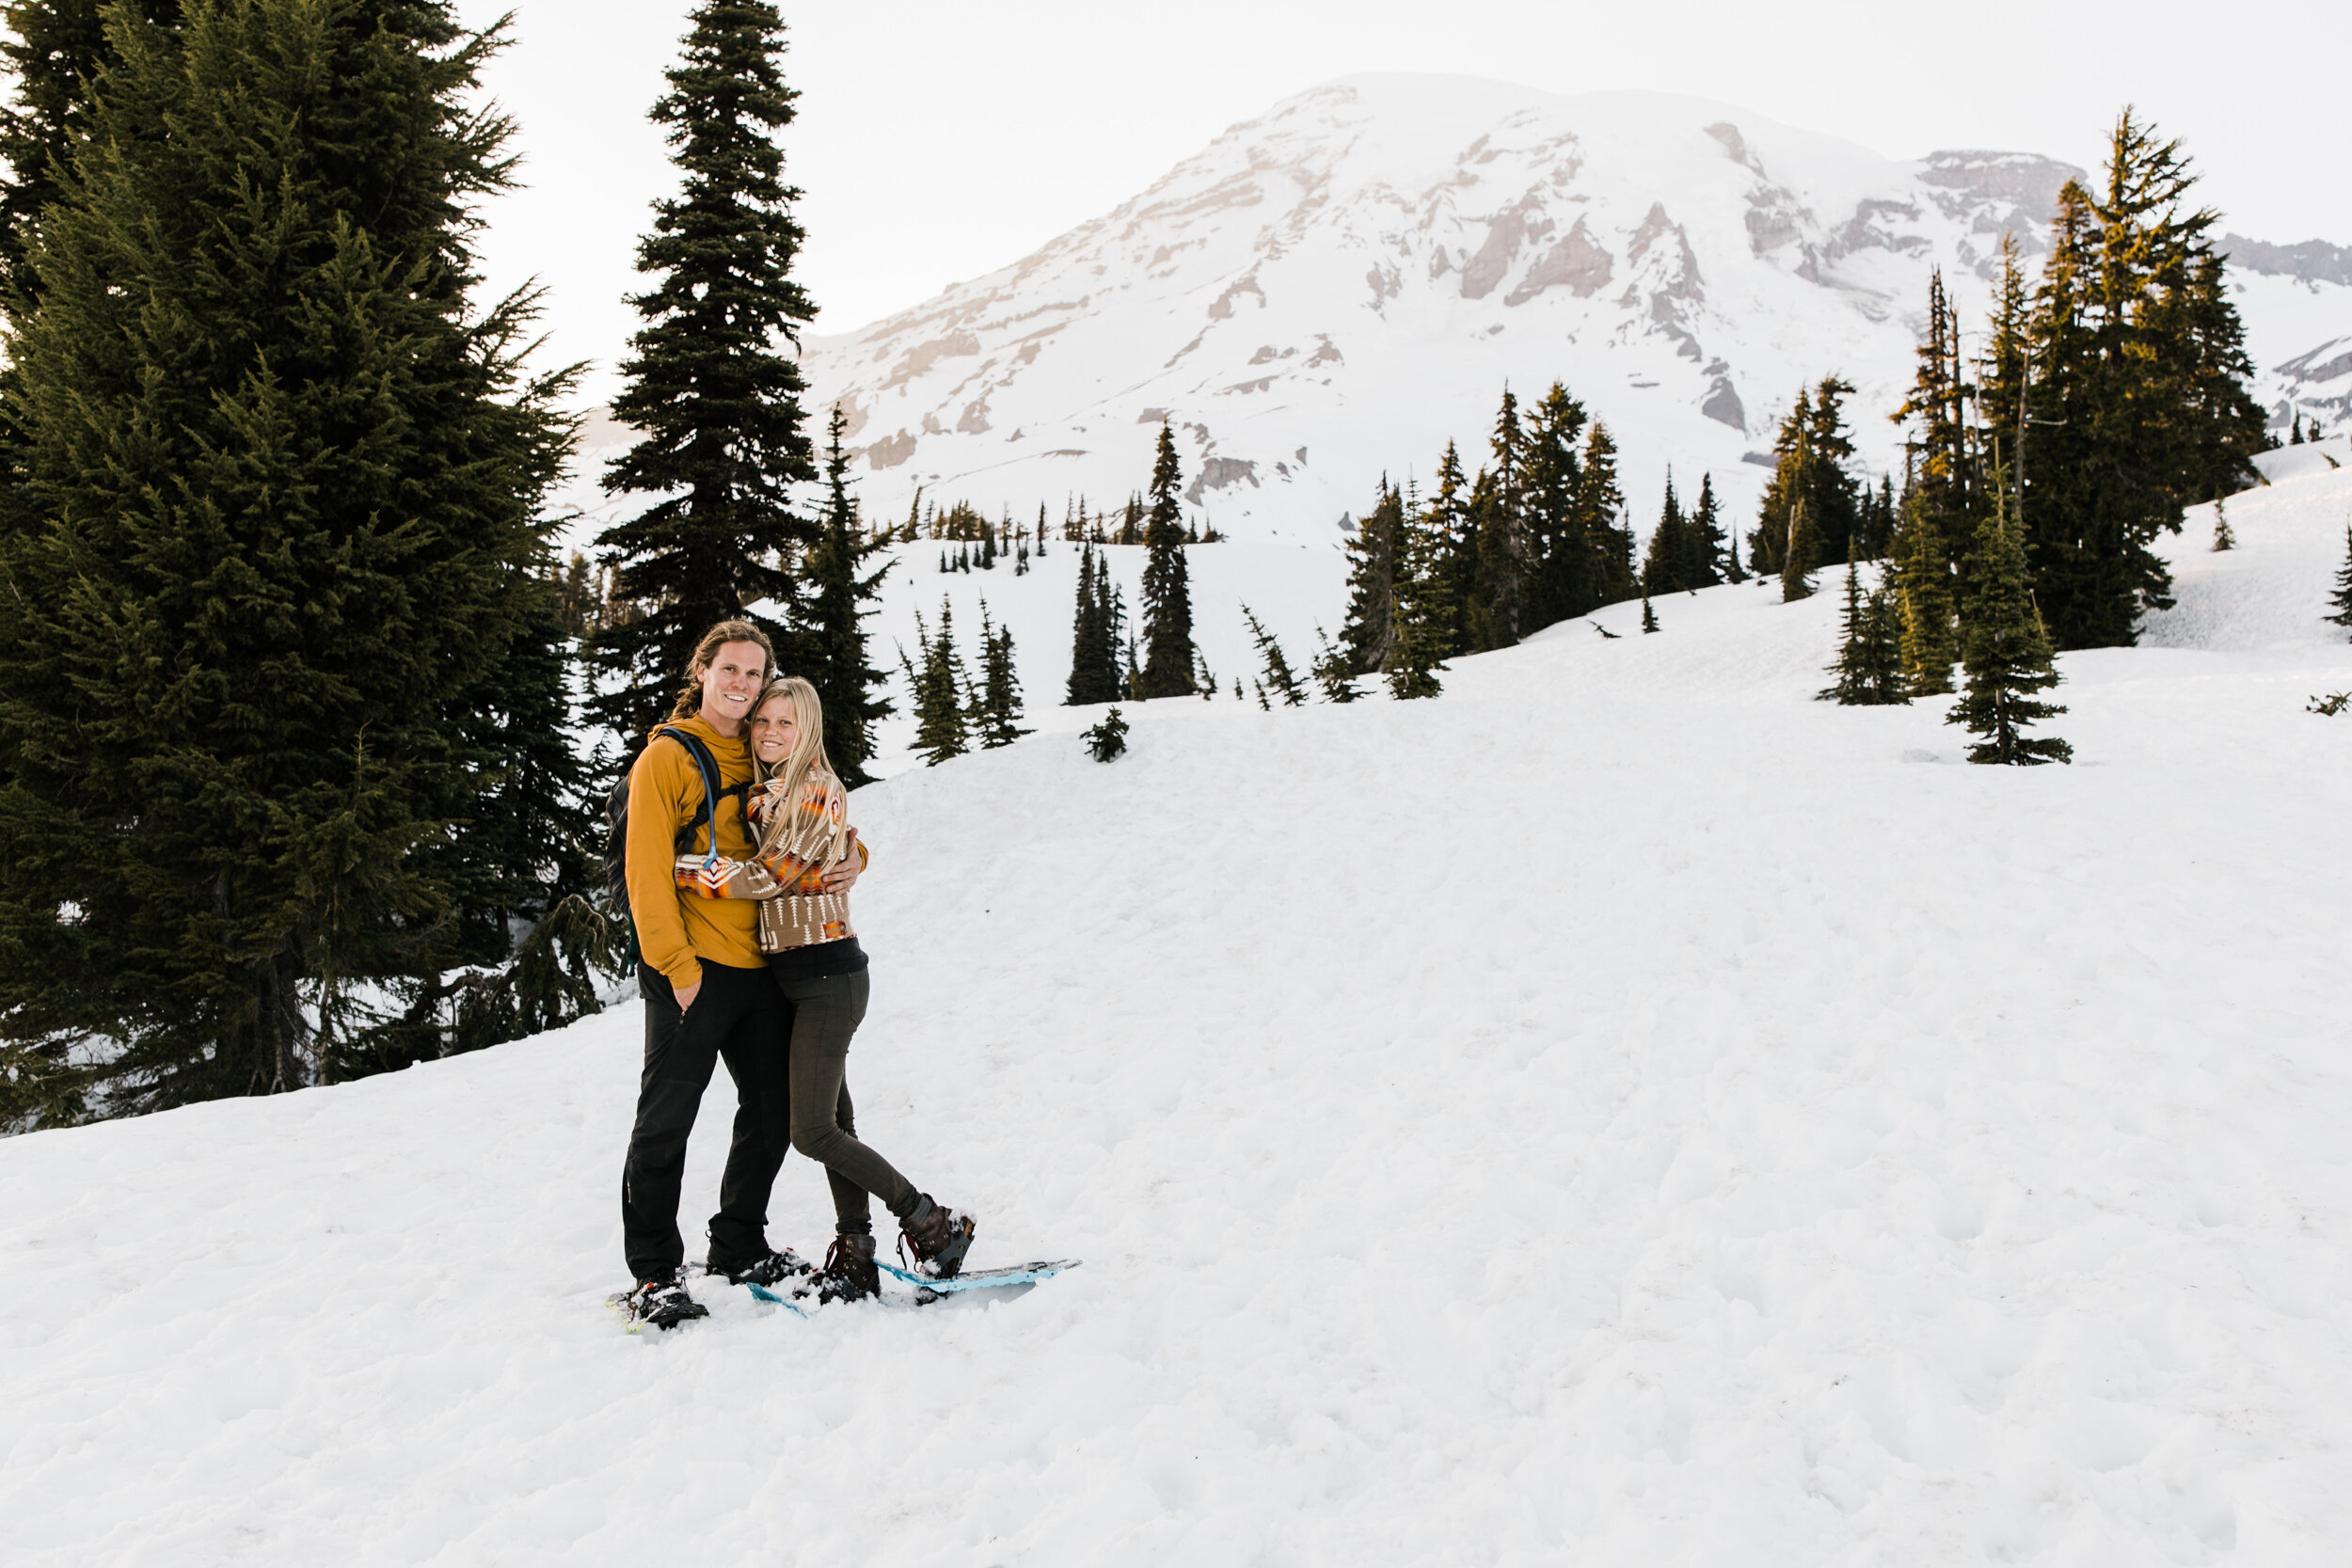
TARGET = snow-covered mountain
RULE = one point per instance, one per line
(1335, 288)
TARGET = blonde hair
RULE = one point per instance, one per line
(689, 697)
(808, 758)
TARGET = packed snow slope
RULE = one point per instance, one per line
(1333, 290)
(1622, 1112)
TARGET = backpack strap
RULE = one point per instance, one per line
(712, 791)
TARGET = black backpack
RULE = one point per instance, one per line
(616, 825)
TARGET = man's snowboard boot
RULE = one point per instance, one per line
(767, 1269)
(939, 1236)
(848, 1273)
(661, 1301)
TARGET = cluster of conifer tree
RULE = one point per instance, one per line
(287, 668)
(1536, 536)
(953, 710)
(2110, 395)
(1109, 664)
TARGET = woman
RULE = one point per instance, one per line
(801, 814)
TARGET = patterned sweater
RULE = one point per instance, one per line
(794, 908)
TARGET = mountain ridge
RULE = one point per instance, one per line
(1334, 288)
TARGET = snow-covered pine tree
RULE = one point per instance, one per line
(2006, 654)
(710, 386)
(996, 707)
(1169, 656)
(249, 348)
(833, 633)
(1278, 674)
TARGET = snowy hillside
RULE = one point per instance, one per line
(1622, 1112)
(1333, 290)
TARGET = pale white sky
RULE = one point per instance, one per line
(939, 140)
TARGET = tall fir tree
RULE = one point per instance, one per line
(941, 689)
(1944, 479)
(711, 387)
(1374, 556)
(1169, 656)
(276, 506)
(996, 707)
(1424, 600)
(1561, 582)
(1093, 646)
(1453, 562)
(1812, 486)
(2006, 654)
(831, 636)
(1924, 582)
(1718, 556)
(1868, 667)
(1498, 523)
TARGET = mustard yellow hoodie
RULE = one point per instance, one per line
(677, 933)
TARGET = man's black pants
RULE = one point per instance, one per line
(738, 1017)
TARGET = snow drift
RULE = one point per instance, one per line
(1620, 1111)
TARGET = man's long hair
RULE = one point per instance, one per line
(689, 698)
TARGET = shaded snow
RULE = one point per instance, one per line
(1622, 1112)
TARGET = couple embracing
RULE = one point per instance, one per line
(739, 858)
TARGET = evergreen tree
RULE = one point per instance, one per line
(996, 712)
(1563, 581)
(1334, 670)
(2222, 538)
(1718, 551)
(2139, 386)
(1107, 739)
(940, 687)
(1942, 481)
(57, 51)
(2007, 656)
(833, 636)
(1369, 633)
(1811, 487)
(1664, 567)
(1649, 616)
(1869, 654)
(1925, 583)
(2342, 598)
(1094, 637)
(277, 561)
(1169, 656)
(1608, 540)
(1498, 525)
(710, 386)
(1277, 673)
(1454, 559)
(1424, 603)
(1800, 555)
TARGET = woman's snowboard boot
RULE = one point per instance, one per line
(848, 1273)
(939, 1236)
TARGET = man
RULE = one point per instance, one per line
(709, 995)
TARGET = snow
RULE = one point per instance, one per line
(1623, 1110)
